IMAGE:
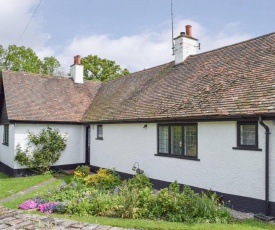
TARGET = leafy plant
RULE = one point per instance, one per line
(103, 179)
(80, 173)
(42, 151)
(133, 202)
(139, 181)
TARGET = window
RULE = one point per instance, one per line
(177, 140)
(99, 132)
(6, 135)
(247, 135)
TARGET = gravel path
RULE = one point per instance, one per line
(241, 215)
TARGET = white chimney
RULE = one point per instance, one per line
(77, 70)
(185, 45)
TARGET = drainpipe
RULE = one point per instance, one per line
(266, 165)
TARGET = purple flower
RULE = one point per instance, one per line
(47, 207)
(40, 200)
(63, 184)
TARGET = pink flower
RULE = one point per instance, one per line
(28, 204)
(46, 207)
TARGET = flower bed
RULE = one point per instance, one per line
(104, 194)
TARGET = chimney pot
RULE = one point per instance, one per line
(77, 60)
(188, 29)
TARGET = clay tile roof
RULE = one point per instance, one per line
(234, 80)
(33, 97)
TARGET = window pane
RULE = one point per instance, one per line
(190, 139)
(176, 140)
(6, 134)
(99, 131)
(248, 134)
(163, 139)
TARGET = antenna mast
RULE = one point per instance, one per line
(172, 20)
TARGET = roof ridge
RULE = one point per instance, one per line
(234, 44)
(34, 74)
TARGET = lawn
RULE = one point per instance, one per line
(135, 223)
(11, 185)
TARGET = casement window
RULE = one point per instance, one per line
(6, 135)
(99, 132)
(247, 135)
(177, 140)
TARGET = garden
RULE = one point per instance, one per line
(105, 194)
(104, 198)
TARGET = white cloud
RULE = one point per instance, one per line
(149, 48)
(14, 17)
(135, 52)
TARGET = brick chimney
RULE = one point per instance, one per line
(185, 45)
(77, 70)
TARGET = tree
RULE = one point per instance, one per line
(42, 151)
(99, 69)
(49, 65)
(19, 58)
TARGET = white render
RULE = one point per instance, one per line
(74, 152)
(77, 73)
(184, 46)
(221, 168)
(7, 152)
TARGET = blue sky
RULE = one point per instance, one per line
(134, 33)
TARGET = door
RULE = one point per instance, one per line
(87, 160)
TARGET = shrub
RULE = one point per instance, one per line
(103, 179)
(208, 209)
(139, 181)
(94, 202)
(132, 202)
(169, 203)
(42, 151)
(80, 173)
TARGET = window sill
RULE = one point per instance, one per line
(178, 156)
(99, 138)
(246, 148)
(7, 144)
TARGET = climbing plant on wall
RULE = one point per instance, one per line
(42, 151)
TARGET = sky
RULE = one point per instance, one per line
(136, 34)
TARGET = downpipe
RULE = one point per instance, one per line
(267, 133)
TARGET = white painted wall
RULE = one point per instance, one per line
(238, 172)
(6, 152)
(75, 150)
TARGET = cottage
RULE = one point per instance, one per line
(206, 120)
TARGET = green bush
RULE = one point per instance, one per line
(48, 145)
(130, 202)
(208, 209)
(103, 179)
(80, 173)
(139, 181)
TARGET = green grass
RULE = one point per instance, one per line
(11, 185)
(138, 224)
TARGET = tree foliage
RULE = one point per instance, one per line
(96, 68)
(20, 58)
(42, 150)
